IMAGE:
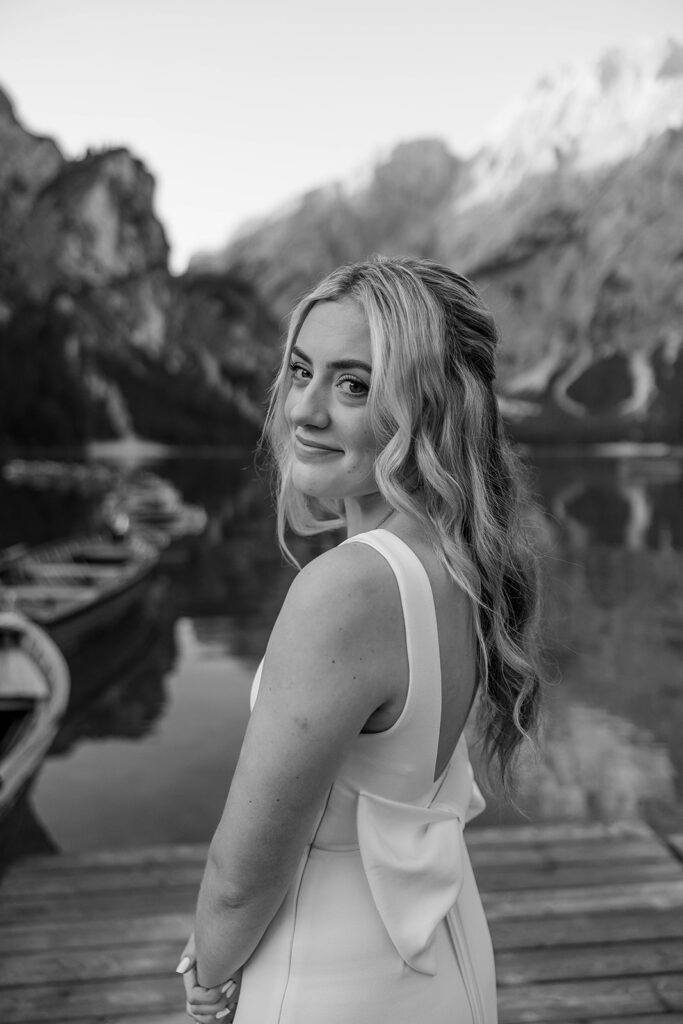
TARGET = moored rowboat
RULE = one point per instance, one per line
(34, 690)
(75, 587)
(153, 503)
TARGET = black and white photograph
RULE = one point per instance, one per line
(341, 512)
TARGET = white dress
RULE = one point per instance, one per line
(383, 921)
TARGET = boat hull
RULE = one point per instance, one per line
(69, 630)
(24, 755)
(75, 589)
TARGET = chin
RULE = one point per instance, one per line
(312, 485)
(328, 483)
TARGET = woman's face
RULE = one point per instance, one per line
(333, 445)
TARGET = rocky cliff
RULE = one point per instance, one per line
(97, 338)
(396, 207)
(28, 162)
(585, 275)
(570, 219)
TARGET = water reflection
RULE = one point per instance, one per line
(594, 764)
(31, 516)
(610, 503)
(133, 699)
(614, 626)
(118, 691)
(105, 658)
(168, 691)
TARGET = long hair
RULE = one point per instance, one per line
(443, 459)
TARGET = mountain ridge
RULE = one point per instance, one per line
(583, 116)
(579, 259)
(569, 224)
(96, 336)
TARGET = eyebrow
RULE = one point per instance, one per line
(338, 364)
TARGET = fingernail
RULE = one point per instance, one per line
(229, 985)
(183, 965)
(223, 1013)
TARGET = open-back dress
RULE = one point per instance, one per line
(383, 921)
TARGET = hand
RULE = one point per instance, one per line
(206, 1005)
(232, 994)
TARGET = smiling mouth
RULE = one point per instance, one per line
(315, 446)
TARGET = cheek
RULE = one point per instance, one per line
(364, 448)
(368, 441)
(288, 407)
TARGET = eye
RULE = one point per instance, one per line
(353, 386)
(299, 372)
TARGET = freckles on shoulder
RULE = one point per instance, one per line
(338, 646)
(350, 591)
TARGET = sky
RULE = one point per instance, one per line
(237, 107)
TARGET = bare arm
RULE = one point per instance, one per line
(327, 668)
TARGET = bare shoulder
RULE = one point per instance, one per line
(345, 607)
(352, 583)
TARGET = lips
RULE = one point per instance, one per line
(316, 445)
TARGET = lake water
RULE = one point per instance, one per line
(160, 703)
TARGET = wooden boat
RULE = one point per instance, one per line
(75, 587)
(154, 504)
(34, 691)
(50, 474)
(179, 521)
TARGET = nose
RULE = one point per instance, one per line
(308, 407)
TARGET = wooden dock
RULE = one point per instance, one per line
(587, 923)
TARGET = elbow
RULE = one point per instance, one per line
(225, 890)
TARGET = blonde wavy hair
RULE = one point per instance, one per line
(443, 459)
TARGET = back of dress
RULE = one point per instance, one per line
(383, 919)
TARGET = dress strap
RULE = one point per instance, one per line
(422, 709)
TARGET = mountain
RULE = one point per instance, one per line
(569, 219)
(28, 162)
(582, 118)
(97, 338)
(397, 208)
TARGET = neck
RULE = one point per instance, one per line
(365, 513)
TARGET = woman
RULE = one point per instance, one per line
(338, 878)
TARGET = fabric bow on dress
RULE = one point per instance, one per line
(415, 858)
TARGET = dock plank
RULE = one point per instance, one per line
(666, 895)
(126, 857)
(554, 876)
(582, 929)
(657, 895)
(635, 844)
(547, 874)
(58, 886)
(613, 998)
(670, 990)
(90, 1001)
(614, 960)
(560, 832)
(539, 855)
(96, 934)
(676, 841)
(180, 1017)
(626, 960)
(586, 921)
(118, 963)
(648, 1018)
(108, 907)
(535, 933)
